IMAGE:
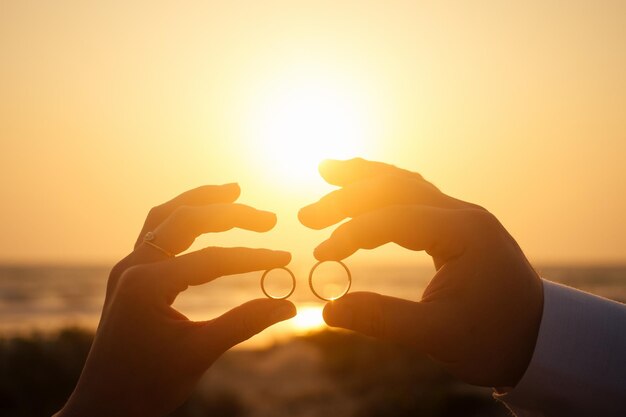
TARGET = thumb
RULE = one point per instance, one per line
(384, 317)
(243, 322)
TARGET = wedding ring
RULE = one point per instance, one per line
(331, 298)
(293, 283)
(149, 238)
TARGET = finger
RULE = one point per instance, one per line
(205, 265)
(342, 173)
(181, 228)
(383, 317)
(413, 227)
(207, 194)
(370, 194)
(243, 322)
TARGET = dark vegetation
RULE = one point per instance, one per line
(391, 380)
(37, 374)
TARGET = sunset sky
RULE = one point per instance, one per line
(109, 108)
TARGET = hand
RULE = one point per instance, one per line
(478, 317)
(147, 357)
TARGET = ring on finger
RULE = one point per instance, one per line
(149, 239)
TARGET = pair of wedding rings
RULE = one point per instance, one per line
(311, 285)
(150, 237)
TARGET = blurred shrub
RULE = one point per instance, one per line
(221, 403)
(38, 373)
(391, 380)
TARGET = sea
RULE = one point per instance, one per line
(46, 298)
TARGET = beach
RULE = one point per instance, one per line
(299, 368)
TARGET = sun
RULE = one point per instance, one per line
(300, 120)
(309, 318)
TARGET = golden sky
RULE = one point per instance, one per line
(108, 108)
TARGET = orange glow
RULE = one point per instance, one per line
(303, 115)
(108, 109)
(309, 318)
(111, 108)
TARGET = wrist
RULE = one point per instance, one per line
(67, 411)
(518, 344)
(72, 409)
(529, 336)
(502, 390)
(81, 404)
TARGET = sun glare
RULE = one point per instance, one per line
(299, 121)
(309, 318)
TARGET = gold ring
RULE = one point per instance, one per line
(332, 298)
(293, 283)
(148, 239)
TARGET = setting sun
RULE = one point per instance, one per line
(302, 117)
(187, 185)
(309, 318)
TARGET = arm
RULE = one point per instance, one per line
(147, 357)
(578, 366)
(480, 315)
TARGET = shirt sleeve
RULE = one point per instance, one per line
(578, 367)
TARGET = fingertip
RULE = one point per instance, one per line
(327, 167)
(282, 257)
(284, 310)
(267, 221)
(327, 314)
(321, 255)
(302, 215)
(325, 252)
(233, 190)
(338, 314)
(307, 216)
(323, 165)
(340, 172)
(248, 319)
(272, 219)
(270, 258)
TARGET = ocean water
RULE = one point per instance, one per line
(46, 298)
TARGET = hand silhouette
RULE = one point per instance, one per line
(480, 314)
(147, 357)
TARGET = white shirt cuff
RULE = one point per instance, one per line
(578, 367)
